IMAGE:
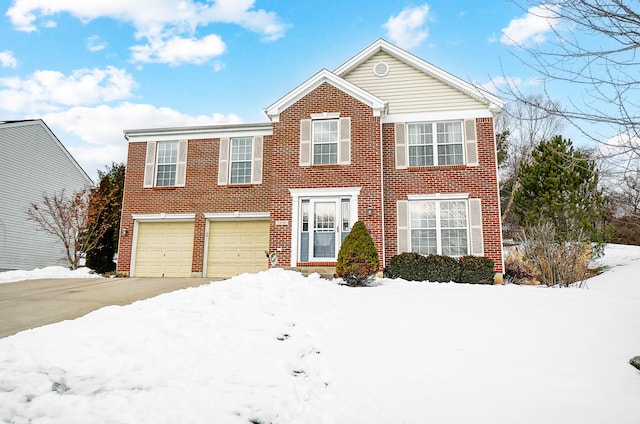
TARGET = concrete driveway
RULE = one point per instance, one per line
(32, 303)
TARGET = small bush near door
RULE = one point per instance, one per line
(358, 258)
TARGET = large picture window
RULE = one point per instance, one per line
(241, 157)
(325, 142)
(435, 143)
(166, 163)
(439, 227)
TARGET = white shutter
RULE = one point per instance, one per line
(403, 226)
(150, 165)
(305, 142)
(471, 142)
(345, 141)
(401, 146)
(223, 162)
(181, 168)
(475, 227)
(256, 164)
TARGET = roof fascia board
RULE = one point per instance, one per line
(378, 105)
(495, 103)
(191, 133)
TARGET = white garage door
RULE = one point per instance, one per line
(236, 247)
(164, 249)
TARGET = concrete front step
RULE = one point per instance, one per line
(327, 272)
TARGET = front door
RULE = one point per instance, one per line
(324, 230)
(324, 224)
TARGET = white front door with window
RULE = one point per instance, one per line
(321, 222)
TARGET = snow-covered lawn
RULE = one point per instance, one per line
(279, 348)
(48, 272)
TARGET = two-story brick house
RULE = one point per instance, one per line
(386, 138)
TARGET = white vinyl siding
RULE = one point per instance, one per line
(33, 162)
(409, 90)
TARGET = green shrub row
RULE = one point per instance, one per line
(415, 267)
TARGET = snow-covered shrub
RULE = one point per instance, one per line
(476, 269)
(410, 266)
(556, 263)
(442, 268)
(358, 257)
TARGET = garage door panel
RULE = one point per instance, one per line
(236, 247)
(164, 249)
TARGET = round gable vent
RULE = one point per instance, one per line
(381, 69)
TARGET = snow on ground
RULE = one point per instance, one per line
(48, 272)
(275, 347)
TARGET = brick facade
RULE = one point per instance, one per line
(372, 170)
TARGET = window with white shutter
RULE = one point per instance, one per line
(165, 164)
(451, 227)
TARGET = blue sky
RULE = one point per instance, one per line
(91, 69)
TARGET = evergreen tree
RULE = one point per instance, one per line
(358, 258)
(560, 186)
(105, 206)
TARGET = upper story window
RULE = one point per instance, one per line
(241, 158)
(440, 143)
(445, 148)
(325, 142)
(165, 164)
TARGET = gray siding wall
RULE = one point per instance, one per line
(32, 162)
(409, 90)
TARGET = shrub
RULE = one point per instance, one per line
(476, 269)
(561, 263)
(442, 268)
(517, 270)
(410, 266)
(358, 258)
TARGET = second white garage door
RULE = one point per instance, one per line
(236, 247)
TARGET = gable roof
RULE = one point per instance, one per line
(52, 136)
(378, 105)
(494, 103)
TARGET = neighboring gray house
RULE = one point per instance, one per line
(33, 162)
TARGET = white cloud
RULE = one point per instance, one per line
(178, 50)
(7, 60)
(496, 85)
(95, 43)
(47, 91)
(99, 130)
(164, 24)
(407, 29)
(534, 26)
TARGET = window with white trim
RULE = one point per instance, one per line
(166, 163)
(241, 158)
(325, 142)
(435, 143)
(439, 227)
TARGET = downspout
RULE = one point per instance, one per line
(382, 214)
